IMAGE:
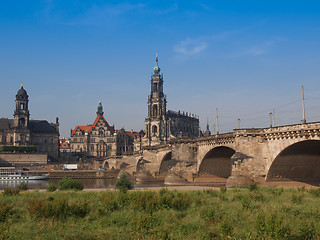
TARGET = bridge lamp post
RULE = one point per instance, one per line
(270, 115)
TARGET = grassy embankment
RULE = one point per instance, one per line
(243, 213)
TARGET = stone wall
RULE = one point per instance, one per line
(24, 158)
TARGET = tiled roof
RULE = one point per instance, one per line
(83, 129)
(6, 124)
(129, 133)
(37, 126)
(89, 128)
(41, 126)
(132, 134)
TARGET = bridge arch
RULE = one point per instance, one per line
(166, 163)
(105, 164)
(297, 162)
(217, 161)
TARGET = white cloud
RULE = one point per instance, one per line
(98, 15)
(190, 47)
(95, 15)
(256, 50)
(173, 8)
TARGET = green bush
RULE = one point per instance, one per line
(162, 214)
(226, 229)
(307, 231)
(223, 189)
(123, 183)
(145, 201)
(57, 208)
(253, 187)
(211, 192)
(23, 186)
(18, 148)
(70, 184)
(51, 187)
(10, 191)
(315, 192)
(175, 200)
(5, 210)
(109, 203)
(271, 226)
(297, 198)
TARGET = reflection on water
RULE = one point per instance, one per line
(88, 183)
(32, 184)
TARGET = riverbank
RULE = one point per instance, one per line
(233, 213)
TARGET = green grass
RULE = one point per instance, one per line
(237, 213)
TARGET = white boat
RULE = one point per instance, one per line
(11, 174)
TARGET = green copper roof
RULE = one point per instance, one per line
(156, 69)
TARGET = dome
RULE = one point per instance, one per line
(22, 92)
(156, 69)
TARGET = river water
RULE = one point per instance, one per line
(88, 184)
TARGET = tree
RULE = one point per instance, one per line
(123, 183)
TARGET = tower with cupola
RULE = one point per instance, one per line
(156, 122)
(21, 118)
(21, 113)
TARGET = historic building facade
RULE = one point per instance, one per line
(100, 139)
(21, 131)
(163, 125)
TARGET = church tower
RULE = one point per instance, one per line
(21, 118)
(21, 114)
(156, 122)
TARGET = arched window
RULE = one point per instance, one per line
(22, 122)
(154, 129)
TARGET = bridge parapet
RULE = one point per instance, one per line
(248, 132)
(162, 147)
(219, 139)
(293, 131)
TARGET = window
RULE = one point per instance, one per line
(154, 129)
(155, 110)
(101, 131)
(22, 122)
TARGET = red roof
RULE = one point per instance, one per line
(129, 133)
(88, 128)
(132, 134)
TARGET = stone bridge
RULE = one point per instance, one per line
(266, 154)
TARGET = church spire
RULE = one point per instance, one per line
(156, 69)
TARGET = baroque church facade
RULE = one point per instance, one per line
(162, 125)
(21, 131)
(100, 139)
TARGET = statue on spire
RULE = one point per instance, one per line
(100, 109)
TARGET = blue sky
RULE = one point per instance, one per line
(245, 58)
